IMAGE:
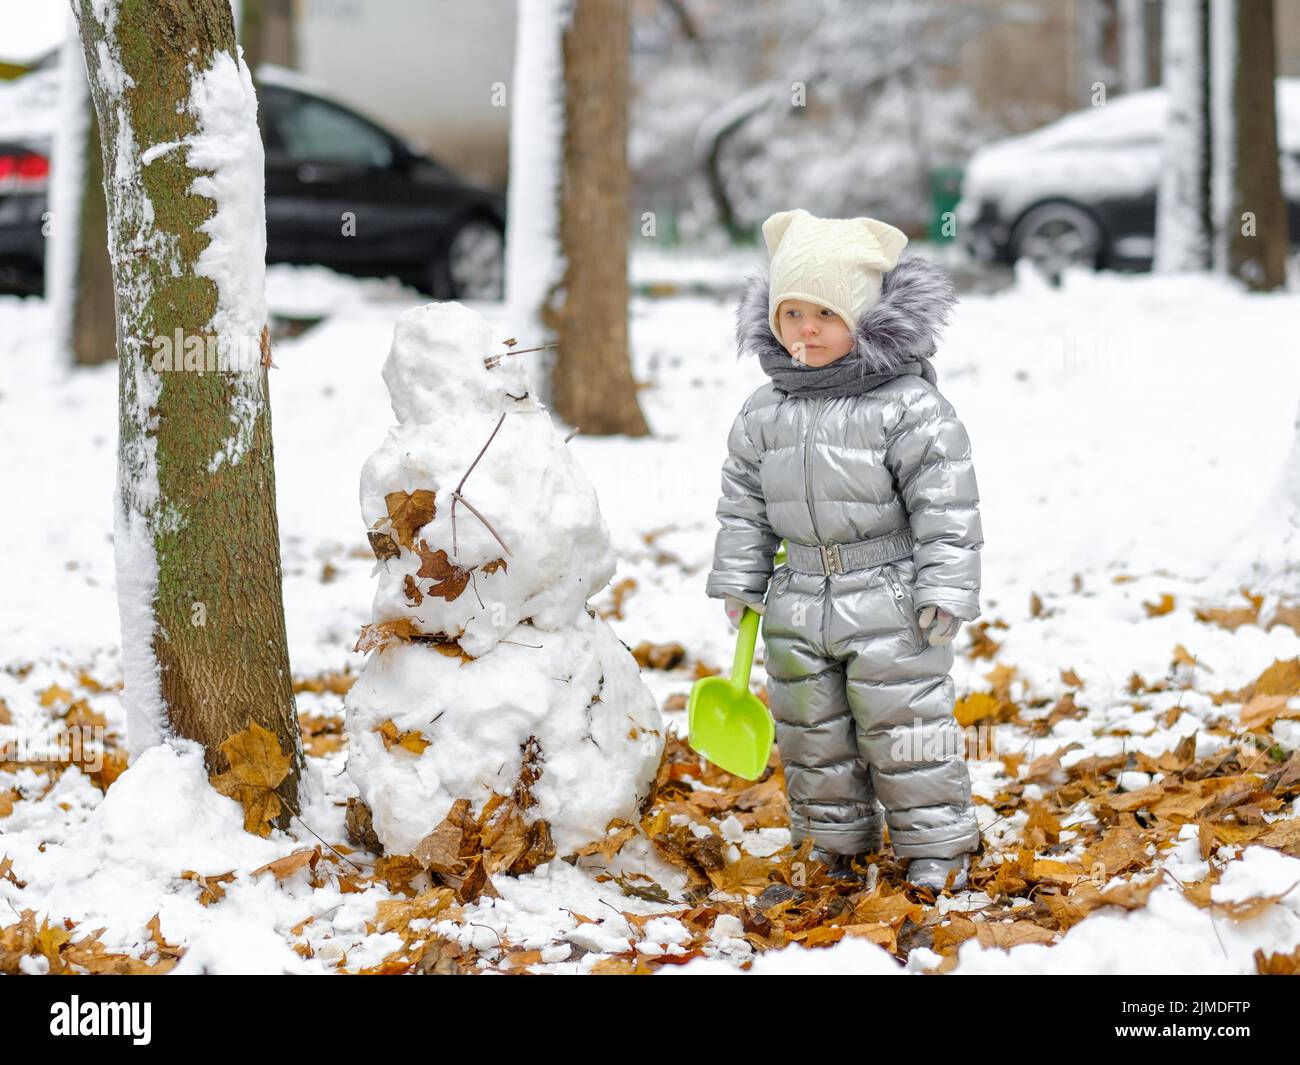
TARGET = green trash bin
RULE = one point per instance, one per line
(945, 191)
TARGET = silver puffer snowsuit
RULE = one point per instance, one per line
(862, 703)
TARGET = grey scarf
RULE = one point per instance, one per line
(843, 377)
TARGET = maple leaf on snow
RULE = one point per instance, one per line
(412, 741)
(379, 634)
(450, 579)
(409, 512)
(257, 768)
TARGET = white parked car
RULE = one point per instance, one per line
(1082, 190)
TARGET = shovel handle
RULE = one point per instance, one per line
(746, 637)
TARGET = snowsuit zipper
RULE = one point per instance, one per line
(894, 583)
(807, 468)
(808, 432)
(891, 575)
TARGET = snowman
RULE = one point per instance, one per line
(488, 674)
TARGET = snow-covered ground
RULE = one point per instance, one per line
(1122, 427)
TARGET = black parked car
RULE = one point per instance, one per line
(341, 192)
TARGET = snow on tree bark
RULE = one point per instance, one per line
(1223, 158)
(1184, 240)
(199, 583)
(569, 187)
(534, 259)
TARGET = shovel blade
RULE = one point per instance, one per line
(730, 726)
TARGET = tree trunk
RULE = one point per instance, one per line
(717, 184)
(592, 386)
(1255, 218)
(1155, 42)
(1091, 23)
(199, 583)
(1134, 71)
(78, 274)
(1184, 229)
(93, 331)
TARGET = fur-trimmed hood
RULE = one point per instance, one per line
(916, 301)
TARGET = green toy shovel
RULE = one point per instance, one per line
(727, 724)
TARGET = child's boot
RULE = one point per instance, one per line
(933, 873)
(838, 866)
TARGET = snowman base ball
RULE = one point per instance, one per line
(573, 698)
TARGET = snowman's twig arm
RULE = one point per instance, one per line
(457, 497)
(479, 455)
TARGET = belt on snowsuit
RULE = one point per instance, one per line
(843, 558)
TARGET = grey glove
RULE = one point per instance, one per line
(736, 608)
(938, 624)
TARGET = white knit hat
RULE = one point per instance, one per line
(834, 262)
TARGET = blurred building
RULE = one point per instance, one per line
(1040, 58)
(424, 68)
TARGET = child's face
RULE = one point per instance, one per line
(813, 334)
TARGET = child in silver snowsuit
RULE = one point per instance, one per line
(852, 455)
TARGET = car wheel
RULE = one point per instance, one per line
(1055, 235)
(476, 261)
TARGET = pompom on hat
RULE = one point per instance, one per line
(835, 263)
